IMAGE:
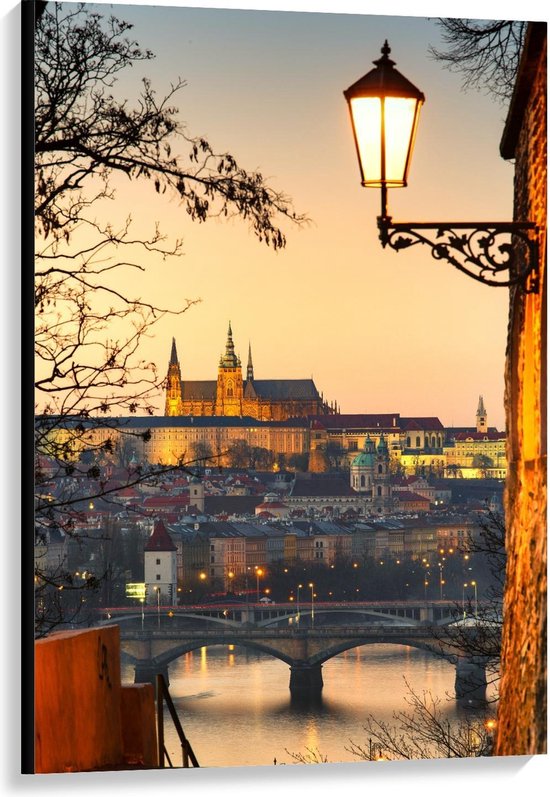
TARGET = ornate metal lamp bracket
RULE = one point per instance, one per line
(500, 254)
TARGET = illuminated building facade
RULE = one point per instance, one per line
(232, 396)
(476, 452)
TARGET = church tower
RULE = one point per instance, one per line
(481, 417)
(229, 389)
(160, 565)
(173, 384)
(362, 468)
(381, 487)
(196, 495)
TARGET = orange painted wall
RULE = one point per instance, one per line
(81, 709)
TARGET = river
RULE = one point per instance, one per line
(236, 709)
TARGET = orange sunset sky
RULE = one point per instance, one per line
(378, 331)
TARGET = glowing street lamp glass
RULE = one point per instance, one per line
(384, 108)
(384, 129)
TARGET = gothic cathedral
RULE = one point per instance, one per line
(230, 395)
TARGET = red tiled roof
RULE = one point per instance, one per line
(166, 500)
(358, 421)
(160, 540)
(480, 436)
(407, 497)
(426, 424)
(128, 492)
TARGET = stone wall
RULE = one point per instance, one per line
(85, 719)
(522, 711)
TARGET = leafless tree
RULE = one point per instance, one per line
(90, 321)
(486, 53)
(477, 631)
(424, 731)
(85, 139)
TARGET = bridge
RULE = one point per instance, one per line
(277, 614)
(151, 639)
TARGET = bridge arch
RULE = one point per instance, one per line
(395, 619)
(167, 657)
(136, 616)
(323, 656)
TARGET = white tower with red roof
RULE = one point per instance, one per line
(160, 561)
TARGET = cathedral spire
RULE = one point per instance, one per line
(173, 353)
(230, 359)
(173, 404)
(249, 367)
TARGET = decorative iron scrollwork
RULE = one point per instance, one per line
(485, 251)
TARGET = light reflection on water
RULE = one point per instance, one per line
(236, 709)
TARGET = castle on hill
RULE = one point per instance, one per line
(230, 395)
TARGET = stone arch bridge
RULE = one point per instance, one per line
(305, 650)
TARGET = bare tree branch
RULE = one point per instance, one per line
(486, 53)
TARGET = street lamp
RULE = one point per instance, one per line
(441, 580)
(474, 585)
(259, 572)
(157, 590)
(312, 603)
(463, 601)
(298, 588)
(202, 579)
(384, 108)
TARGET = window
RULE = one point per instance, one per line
(362, 481)
(158, 576)
(158, 561)
(378, 491)
(418, 441)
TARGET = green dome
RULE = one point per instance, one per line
(366, 458)
(363, 460)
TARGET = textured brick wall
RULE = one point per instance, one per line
(522, 711)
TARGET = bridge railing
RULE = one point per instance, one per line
(255, 631)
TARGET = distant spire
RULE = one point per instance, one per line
(173, 354)
(368, 445)
(249, 367)
(230, 359)
(481, 416)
